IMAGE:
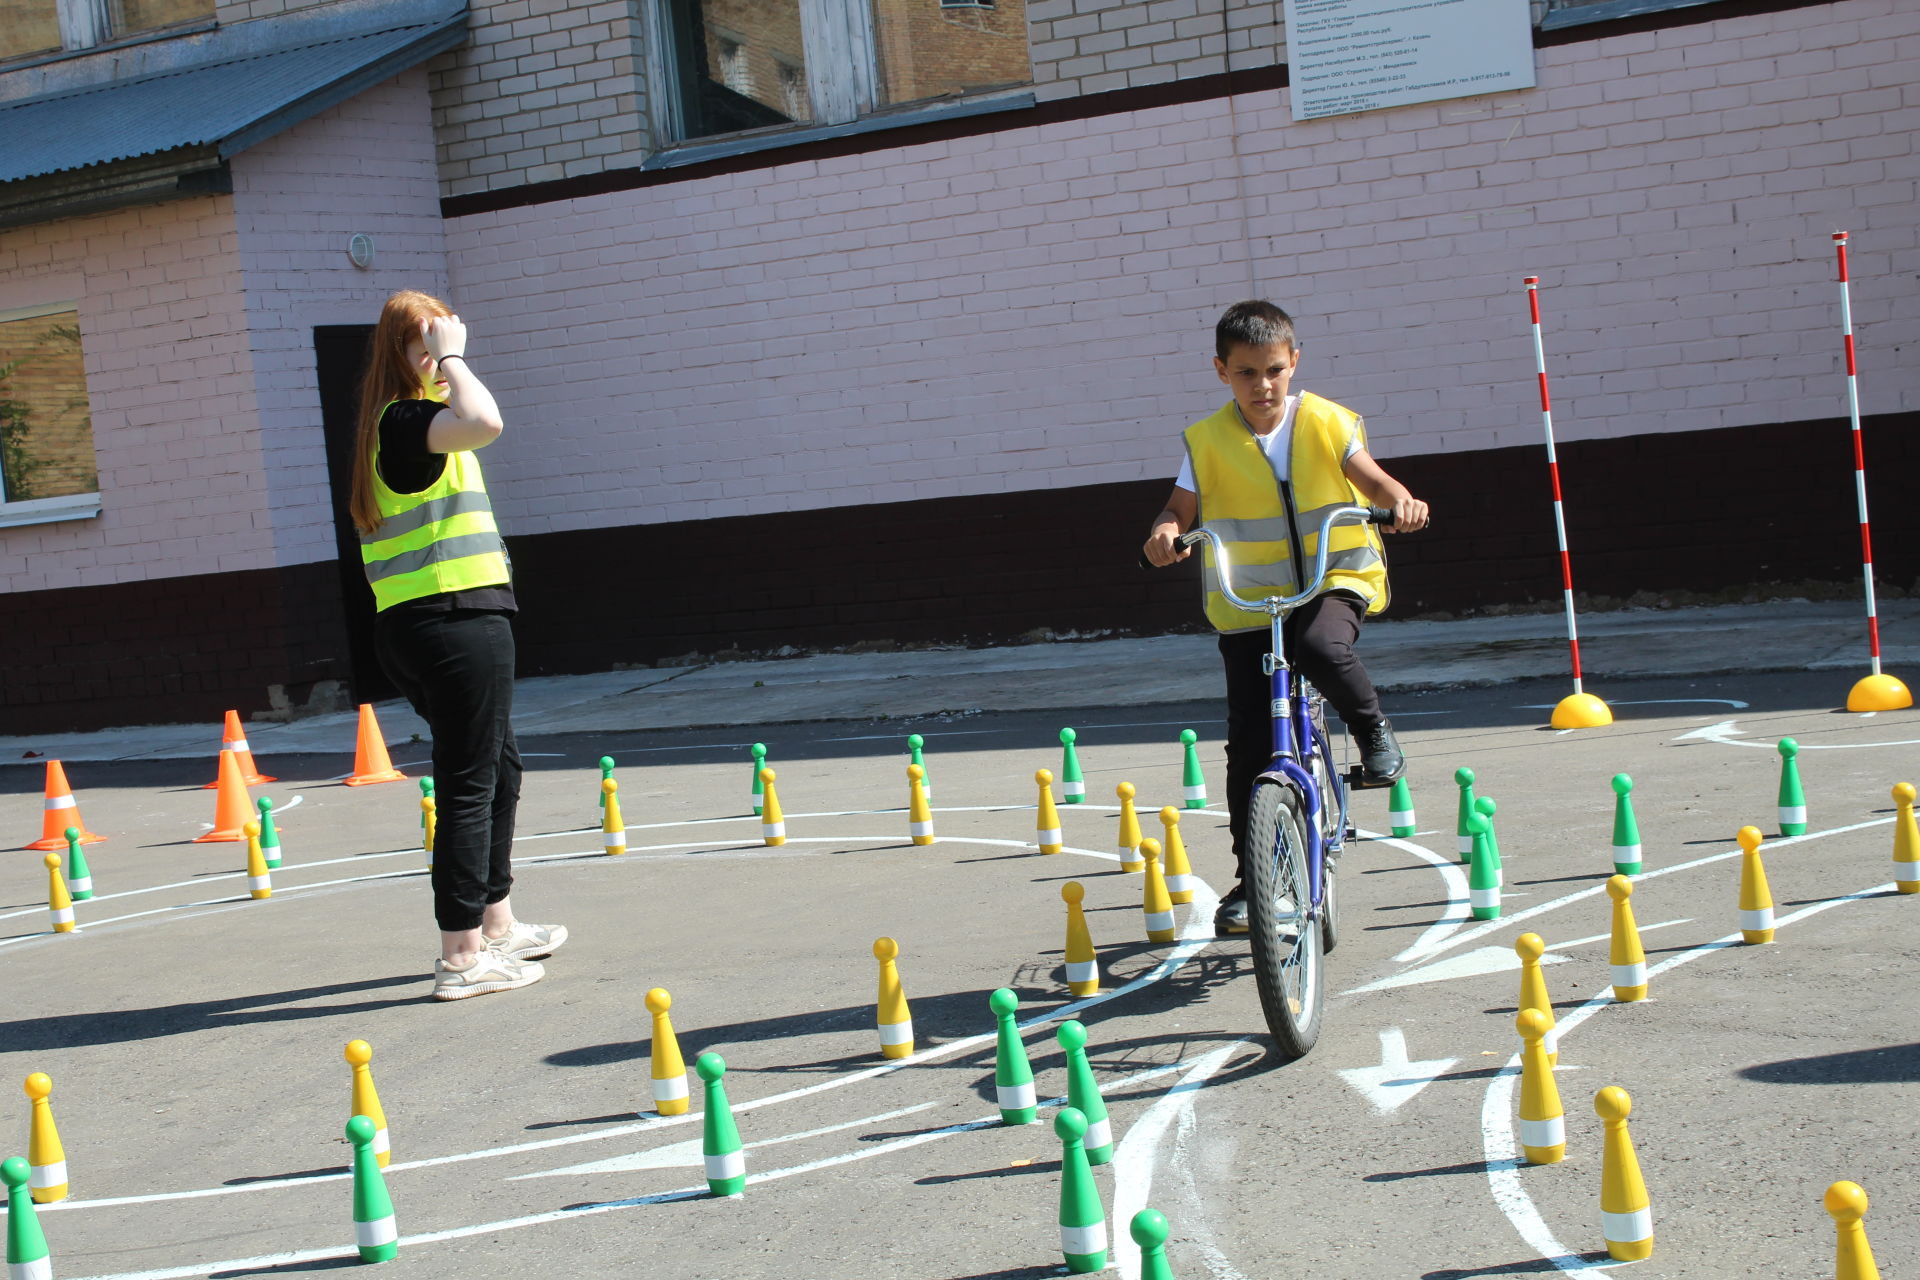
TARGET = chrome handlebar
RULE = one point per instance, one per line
(1276, 605)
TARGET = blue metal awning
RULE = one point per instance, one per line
(216, 108)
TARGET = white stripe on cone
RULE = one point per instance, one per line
(1194, 793)
(897, 1032)
(671, 1090)
(38, 1269)
(1080, 1241)
(62, 802)
(1050, 836)
(259, 882)
(1792, 813)
(730, 1165)
(1159, 920)
(1403, 818)
(378, 1232)
(382, 1143)
(1626, 853)
(1099, 1134)
(1627, 1228)
(1906, 872)
(1551, 1132)
(1551, 1041)
(83, 885)
(63, 915)
(1016, 1097)
(616, 840)
(239, 744)
(48, 1175)
(1630, 975)
(773, 831)
(1073, 788)
(1082, 970)
(1466, 846)
(1483, 897)
(1180, 884)
(920, 828)
(757, 803)
(1761, 919)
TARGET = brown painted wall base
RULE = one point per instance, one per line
(1697, 511)
(168, 650)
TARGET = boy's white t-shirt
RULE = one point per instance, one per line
(1278, 444)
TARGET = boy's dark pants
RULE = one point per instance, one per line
(456, 669)
(1320, 636)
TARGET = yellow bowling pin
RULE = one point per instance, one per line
(1129, 840)
(1047, 826)
(669, 1068)
(366, 1099)
(1756, 901)
(896, 1021)
(1083, 967)
(1176, 868)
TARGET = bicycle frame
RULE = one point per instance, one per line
(1292, 711)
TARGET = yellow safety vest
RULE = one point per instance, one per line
(438, 540)
(1242, 500)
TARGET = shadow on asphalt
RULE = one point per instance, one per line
(126, 1026)
(1445, 1170)
(1528, 1266)
(291, 1268)
(1896, 1064)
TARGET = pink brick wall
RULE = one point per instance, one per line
(1033, 309)
(364, 166)
(196, 328)
(164, 344)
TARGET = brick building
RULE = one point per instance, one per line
(798, 346)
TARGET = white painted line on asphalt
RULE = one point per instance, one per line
(1468, 964)
(1458, 910)
(1133, 1159)
(1420, 952)
(687, 1155)
(1395, 1081)
(1735, 703)
(266, 1261)
(1496, 1111)
(1194, 938)
(1727, 735)
(1608, 936)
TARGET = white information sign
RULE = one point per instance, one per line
(1362, 55)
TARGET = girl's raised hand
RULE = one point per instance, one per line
(444, 336)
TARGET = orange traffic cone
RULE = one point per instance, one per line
(61, 812)
(370, 760)
(234, 739)
(232, 807)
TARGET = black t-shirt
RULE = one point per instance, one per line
(408, 466)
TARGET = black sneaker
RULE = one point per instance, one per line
(1231, 916)
(1381, 763)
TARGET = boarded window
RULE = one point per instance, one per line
(46, 428)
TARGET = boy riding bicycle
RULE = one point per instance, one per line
(1260, 471)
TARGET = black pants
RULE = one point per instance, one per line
(456, 668)
(1320, 636)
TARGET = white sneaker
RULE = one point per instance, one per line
(490, 970)
(528, 941)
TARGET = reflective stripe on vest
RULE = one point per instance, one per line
(1241, 500)
(439, 540)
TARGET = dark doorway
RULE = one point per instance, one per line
(340, 355)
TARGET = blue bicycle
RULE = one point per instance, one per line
(1296, 822)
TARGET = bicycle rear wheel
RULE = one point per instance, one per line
(1283, 926)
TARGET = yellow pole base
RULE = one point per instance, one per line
(1879, 693)
(1631, 1250)
(1581, 711)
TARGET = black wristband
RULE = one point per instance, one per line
(452, 355)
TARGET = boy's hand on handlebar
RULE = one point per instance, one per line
(1163, 548)
(1409, 516)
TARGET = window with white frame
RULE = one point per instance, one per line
(47, 468)
(40, 27)
(737, 65)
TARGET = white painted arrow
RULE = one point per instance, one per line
(1395, 1080)
(1468, 964)
(1724, 732)
(687, 1155)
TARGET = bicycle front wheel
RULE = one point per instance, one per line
(1284, 928)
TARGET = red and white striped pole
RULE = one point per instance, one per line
(1875, 692)
(1579, 710)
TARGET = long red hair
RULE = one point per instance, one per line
(390, 376)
